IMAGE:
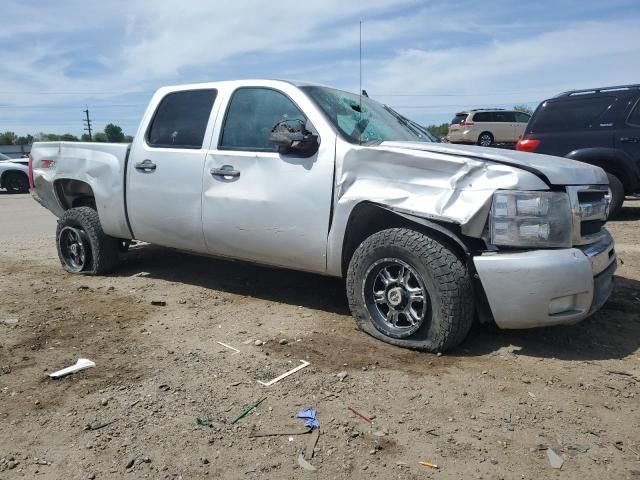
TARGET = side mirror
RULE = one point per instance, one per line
(292, 136)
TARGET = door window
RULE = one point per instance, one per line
(181, 119)
(251, 116)
(570, 115)
(522, 117)
(634, 116)
(504, 117)
(483, 117)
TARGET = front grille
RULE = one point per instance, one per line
(590, 206)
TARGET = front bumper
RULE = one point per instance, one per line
(547, 287)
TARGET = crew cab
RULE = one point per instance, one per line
(428, 236)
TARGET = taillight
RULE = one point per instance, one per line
(528, 144)
(30, 173)
(466, 124)
(47, 163)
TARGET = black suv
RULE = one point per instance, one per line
(600, 126)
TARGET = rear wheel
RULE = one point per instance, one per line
(16, 182)
(616, 195)
(485, 139)
(409, 290)
(82, 245)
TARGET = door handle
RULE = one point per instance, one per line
(630, 139)
(226, 171)
(146, 166)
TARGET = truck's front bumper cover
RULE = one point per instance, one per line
(547, 287)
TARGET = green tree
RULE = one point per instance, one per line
(523, 108)
(23, 140)
(8, 138)
(439, 130)
(100, 137)
(128, 138)
(114, 133)
(85, 137)
(67, 137)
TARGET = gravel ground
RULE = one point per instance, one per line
(488, 410)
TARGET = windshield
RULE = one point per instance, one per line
(374, 123)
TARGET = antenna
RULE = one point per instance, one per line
(360, 89)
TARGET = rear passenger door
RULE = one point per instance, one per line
(505, 126)
(628, 135)
(164, 178)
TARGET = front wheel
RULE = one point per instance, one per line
(409, 290)
(616, 195)
(82, 245)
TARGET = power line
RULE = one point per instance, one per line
(123, 105)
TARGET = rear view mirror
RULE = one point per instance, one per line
(292, 136)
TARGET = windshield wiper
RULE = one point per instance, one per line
(411, 125)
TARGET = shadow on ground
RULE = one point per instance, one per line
(612, 333)
(630, 211)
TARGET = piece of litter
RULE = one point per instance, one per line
(283, 434)
(311, 444)
(532, 395)
(81, 364)
(205, 422)
(428, 464)
(364, 417)
(555, 460)
(235, 350)
(304, 464)
(285, 375)
(9, 322)
(249, 409)
(98, 426)
(158, 303)
(309, 415)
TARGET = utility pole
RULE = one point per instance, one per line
(87, 124)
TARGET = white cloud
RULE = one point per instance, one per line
(410, 47)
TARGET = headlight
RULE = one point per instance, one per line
(530, 219)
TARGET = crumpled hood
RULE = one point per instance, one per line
(557, 170)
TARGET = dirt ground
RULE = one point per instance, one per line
(487, 410)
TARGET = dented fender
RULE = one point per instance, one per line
(455, 189)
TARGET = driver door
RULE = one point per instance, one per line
(258, 204)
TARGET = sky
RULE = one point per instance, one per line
(427, 59)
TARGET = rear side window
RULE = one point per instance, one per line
(460, 117)
(181, 119)
(522, 117)
(252, 114)
(483, 117)
(504, 117)
(634, 116)
(570, 115)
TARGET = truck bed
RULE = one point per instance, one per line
(77, 166)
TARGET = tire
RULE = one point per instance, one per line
(485, 139)
(616, 192)
(447, 310)
(82, 245)
(16, 182)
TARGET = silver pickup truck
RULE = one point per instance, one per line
(428, 236)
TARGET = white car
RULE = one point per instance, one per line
(14, 174)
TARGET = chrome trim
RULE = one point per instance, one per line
(601, 254)
(586, 211)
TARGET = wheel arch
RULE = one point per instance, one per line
(4, 175)
(611, 160)
(73, 193)
(368, 218)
